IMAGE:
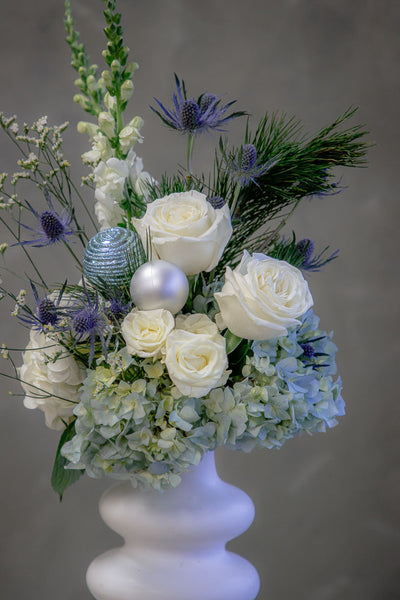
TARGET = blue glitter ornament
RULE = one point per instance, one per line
(111, 257)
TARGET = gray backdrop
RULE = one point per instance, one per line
(327, 524)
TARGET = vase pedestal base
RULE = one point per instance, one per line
(175, 542)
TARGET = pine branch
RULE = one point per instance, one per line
(301, 167)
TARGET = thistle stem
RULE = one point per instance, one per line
(189, 158)
(235, 198)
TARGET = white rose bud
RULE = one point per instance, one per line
(145, 331)
(58, 379)
(262, 297)
(196, 362)
(107, 124)
(186, 230)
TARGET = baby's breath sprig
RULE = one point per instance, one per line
(43, 163)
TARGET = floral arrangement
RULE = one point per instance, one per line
(191, 326)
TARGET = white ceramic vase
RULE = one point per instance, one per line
(175, 542)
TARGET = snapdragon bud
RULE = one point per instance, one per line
(110, 101)
(107, 124)
(127, 89)
(131, 68)
(91, 83)
(115, 66)
(106, 76)
(81, 100)
(79, 83)
(90, 128)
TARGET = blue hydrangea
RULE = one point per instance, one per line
(143, 429)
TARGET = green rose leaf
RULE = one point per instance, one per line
(61, 478)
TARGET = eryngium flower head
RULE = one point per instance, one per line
(52, 227)
(243, 165)
(194, 116)
(48, 312)
(87, 321)
(305, 248)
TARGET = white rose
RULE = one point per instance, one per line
(56, 380)
(145, 331)
(197, 323)
(262, 297)
(196, 362)
(186, 230)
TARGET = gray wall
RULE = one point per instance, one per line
(327, 524)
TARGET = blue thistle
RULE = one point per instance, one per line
(52, 226)
(216, 201)
(308, 350)
(191, 116)
(117, 309)
(243, 165)
(305, 248)
(88, 322)
(48, 312)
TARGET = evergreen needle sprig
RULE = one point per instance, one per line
(301, 167)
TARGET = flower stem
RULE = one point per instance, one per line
(74, 255)
(189, 159)
(235, 198)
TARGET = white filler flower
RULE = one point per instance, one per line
(262, 297)
(186, 230)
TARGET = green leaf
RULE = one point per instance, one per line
(61, 478)
(232, 341)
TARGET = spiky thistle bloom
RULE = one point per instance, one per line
(243, 165)
(305, 248)
(117, 308)
(87, 321)
(52, 227)
(48, 312)
(195, 116)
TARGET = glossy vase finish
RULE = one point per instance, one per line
(175, 542)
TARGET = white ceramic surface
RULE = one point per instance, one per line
(175, 542)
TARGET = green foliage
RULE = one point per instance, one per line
(302, 166)
(61, 478)
(92, 88)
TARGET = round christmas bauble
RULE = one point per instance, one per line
(159, 284)
(111, 257)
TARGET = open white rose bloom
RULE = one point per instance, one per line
(222, 347)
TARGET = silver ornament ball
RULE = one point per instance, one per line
(111, 257)
(159, 284)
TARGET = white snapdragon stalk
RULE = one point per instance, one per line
(110, 177)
